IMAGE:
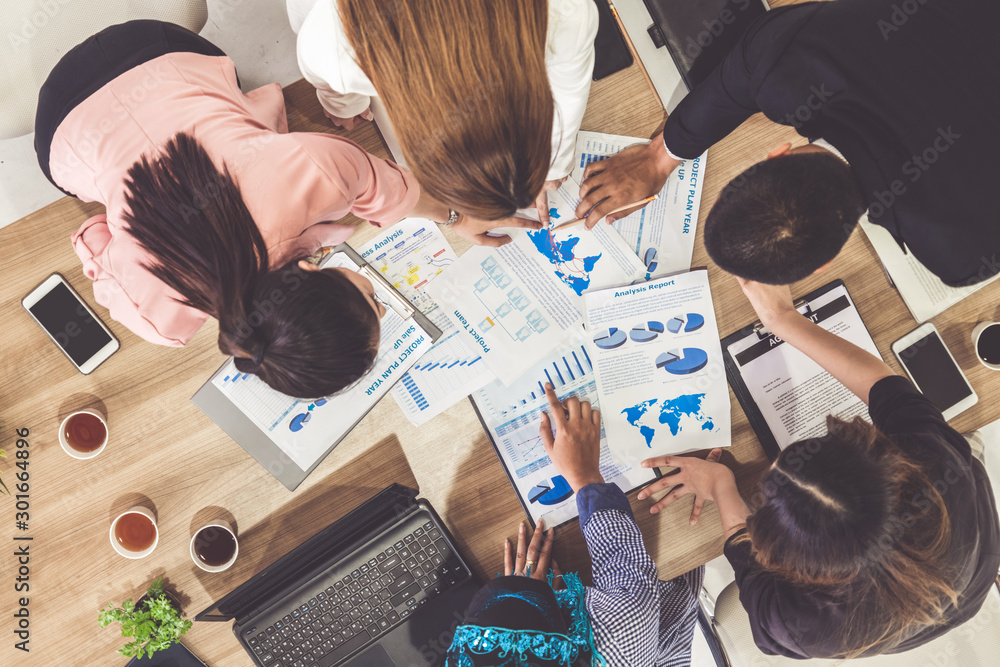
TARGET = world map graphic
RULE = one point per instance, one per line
(572, 270)
(647, 418)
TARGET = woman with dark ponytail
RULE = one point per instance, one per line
(212, 205)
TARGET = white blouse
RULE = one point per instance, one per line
(327, 62)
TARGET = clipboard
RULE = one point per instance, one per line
(221, 409)
(510, 478)
(767, 342)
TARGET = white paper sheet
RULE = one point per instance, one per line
(513, 417)
(660, 371)
(514, 303)
(922, 291)
(661, 234)
(410, 254)
(791, 390)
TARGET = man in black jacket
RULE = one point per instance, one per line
(907, 92)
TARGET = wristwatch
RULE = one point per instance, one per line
(452, 218)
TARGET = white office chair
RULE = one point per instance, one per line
(973, 644)
(37, 33)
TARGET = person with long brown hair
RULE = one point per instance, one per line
(875, 538)
(212, 205)
(485, 98)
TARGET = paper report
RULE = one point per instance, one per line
(660, 372)
(793, 393)
(410, 254)
(661, 234)
(515, 303)
(512, 416)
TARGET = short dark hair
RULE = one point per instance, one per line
(783, 218)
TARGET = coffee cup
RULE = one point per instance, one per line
(986, 343)
(214, 547)
(83, 434)
(134, 533)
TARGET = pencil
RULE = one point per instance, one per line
(641, 202)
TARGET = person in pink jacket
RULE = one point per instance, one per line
(212, 205)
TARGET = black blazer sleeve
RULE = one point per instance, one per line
(728, 96)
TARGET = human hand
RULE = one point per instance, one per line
(633, 174)
(349, 123)
(707, 480)
(533, 559)
(771, 302)
(542, 200)
(477, 230)
(575, 449)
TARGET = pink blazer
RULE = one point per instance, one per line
(293, 184)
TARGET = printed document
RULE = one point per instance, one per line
(661, 234)
(922, 291)
(660, 372)
(410, 254)
(512, 416)
(793, 393)
(513, 304)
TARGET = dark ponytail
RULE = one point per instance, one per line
(305, 333)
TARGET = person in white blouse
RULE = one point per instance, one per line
(499, 47)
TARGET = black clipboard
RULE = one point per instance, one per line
(510, 478)
(743, 395)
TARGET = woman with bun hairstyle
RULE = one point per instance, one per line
(212, 205)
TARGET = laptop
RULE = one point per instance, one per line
(384, 586)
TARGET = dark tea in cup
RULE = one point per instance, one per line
(214, 547)
(85, 432)
(988, 345)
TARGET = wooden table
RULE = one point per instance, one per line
(165, 453)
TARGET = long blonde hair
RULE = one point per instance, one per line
(465, 86)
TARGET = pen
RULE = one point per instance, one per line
(641, 202)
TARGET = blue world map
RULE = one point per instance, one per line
(646, 417)
(572, 270)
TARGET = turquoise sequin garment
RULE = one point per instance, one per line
(516, 648)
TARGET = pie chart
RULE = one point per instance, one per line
(551, 491)
(609, 339)
(683, 362)
(645, 332)
(649, 259)
(298, 421)
(686, 323)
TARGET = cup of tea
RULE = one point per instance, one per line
(83, 434)
(214, 547)
(134, 533)
(986, 342)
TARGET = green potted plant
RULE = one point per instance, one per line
(153, 623)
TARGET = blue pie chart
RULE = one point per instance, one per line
(687, 323)
(298, 421)
(609, 339)
(683, 362)
(649, 259)
(551, 491)
(646, 331)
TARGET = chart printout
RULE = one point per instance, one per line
(513, 417)
(515, 302)
(660, 372)
(661, 234)
(410, 254)
(305, 430)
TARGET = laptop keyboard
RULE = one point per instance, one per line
(361, 604)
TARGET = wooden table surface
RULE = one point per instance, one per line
(165, 453)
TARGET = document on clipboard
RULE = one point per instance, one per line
(290, 436)
(511, 417)
(785, 394)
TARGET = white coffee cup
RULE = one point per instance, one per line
(217, 525)
(976, 334)
(76, 454)
(138, 509)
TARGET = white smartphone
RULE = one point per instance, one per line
(934, 370)
(70, 323)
